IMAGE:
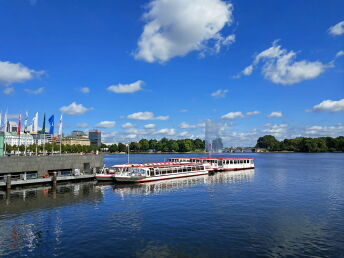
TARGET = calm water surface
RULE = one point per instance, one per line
(290, 205)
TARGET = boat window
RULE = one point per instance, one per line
(241, 162)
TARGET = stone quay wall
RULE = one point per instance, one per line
(88, 163)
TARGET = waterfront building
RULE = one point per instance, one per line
(77, 133)
(84, 141)
(41, 139)
(22, 139)
(12, 127)
(95, 137)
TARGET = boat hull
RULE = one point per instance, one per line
(135, 180)
(104, 177)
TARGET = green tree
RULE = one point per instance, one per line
(267, 142)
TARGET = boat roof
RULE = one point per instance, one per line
(153, 164)
(206, 158)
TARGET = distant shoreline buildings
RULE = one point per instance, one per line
(14, 134)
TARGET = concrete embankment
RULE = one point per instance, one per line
(21, 170)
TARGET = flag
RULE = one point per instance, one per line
(35, 123)
(25, 123)
(60, 127)
(51, 122)
(5, 122)
(19, 124)
(43, 127)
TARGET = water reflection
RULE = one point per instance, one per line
(179, 183)
(40, 197)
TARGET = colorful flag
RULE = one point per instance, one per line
(60, 127)
(51, 122)
(43, 127)
(25, 123)
(19, 124)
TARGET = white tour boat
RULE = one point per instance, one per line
(161, 171)
(220, 164)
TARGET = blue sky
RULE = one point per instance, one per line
(181, 61)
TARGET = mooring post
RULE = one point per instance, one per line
(55, 179)
(8, 182)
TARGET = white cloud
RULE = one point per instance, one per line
(219, 93)
(337, 29)
(126, 88)
(276, 129)
(35, 92)
(177, 27)
(74, 109)
(317, 130)
(106, 124)
(8, 91)
(85, 90)
(128, 125)
(149, 126)
(146, 116)
(280, 67)
(275, 114)
(82, 125)
(166, 131)
(12, 73)
(252, 113)
(232, 115)
(184, 110)
(108, 137)
(185, 125)
(340, 53)
(183, 134)
(329, 106)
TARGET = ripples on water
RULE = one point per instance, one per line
(290, 205)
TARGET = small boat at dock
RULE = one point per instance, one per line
(161, 171)
(219, 164)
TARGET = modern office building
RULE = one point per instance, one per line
(95, 137)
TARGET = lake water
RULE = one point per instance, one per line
(290, 205)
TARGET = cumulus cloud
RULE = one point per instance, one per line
(34, 92)
(82, 125)
(340, 53)
(337, 29)
(8, 91)
(176, 27)
(185, 125)
(317, 130)
(128, 125)
(85, 90)
(106, 124)
(166, 131)
(279, 66)
(276, 129)
(74, 109)
(232, 115)
(275, 114)
(184, 110)
(219, 93)
(13, 73)
(126, 88)
(329, 106)
(252, 113)
(149, 126)
(146, 116)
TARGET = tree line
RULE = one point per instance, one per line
(50, 147)
(163, 145)
(302, 144)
